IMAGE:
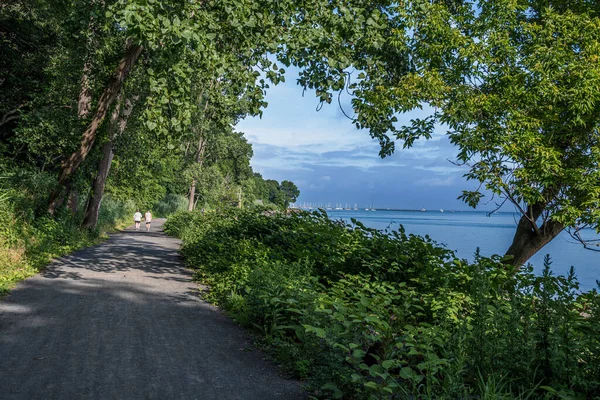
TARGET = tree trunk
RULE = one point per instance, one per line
(199, 160)
(199, 157)
(84, 103)
(62, 194)
(115, 127)
(192, 195)
(93, 206)
(73, 202)
(83, 110)
(110, 93)
(85, 93)
(529, 239)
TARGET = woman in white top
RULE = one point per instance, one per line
(148, 217)
(137, 218)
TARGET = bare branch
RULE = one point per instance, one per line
(588, 244)
(515, 202)
(498, 206)
(341, 107)
(11, 115)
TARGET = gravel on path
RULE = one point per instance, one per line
(123, 320)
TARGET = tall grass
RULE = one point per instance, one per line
(30, 238)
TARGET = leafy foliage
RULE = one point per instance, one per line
(171, 204)
(29, 242)
(516, 85)
(363, 313)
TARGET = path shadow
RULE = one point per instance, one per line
(84, 339)
(122, 253)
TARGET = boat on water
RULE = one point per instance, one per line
(423, 210)
(441, 210)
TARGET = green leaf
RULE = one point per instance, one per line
(320, 332)
(371, 385)
(407, 373)
(358, 354)
(336, 392)
(375, 370)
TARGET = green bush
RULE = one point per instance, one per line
(171, 204)
(114, 213)
(362, 313)
(30, 238)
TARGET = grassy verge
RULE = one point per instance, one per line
(360, 313)
(28, 243)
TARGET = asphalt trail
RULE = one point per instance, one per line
(122, 320)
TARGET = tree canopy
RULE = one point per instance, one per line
(516, 84)
(151, 89)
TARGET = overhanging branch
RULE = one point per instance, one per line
(588, 244)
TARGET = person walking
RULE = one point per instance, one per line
(137, 218)
(148, 217)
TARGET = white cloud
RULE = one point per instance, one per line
(443, 170)
(321, 148)
(421, 153)
(444, 182)
(313, 135)
(305, 157)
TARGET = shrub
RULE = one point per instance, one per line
(362, 313)
(30, 238)
(171, 204)
(114, 213)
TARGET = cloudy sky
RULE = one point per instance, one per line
(332, 162)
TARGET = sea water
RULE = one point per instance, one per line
(465, 231)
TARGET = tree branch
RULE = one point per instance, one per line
(498, 206)
(575, 233)
(532, 219)
(11, 115)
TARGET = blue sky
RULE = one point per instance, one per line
(332, 162)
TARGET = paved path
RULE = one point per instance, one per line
(122, 320)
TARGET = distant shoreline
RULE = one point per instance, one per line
(410, 210)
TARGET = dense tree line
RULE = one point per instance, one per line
(133, 99)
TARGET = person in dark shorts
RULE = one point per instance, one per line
(137, 218)
(148, 218)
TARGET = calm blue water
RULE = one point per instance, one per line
(465, 231)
